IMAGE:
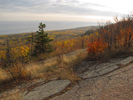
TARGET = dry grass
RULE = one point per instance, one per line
(16, 96)
(36, 70)
(3, 75)
(60, 67)
(13, 97)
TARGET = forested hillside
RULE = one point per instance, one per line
(104, 42)
(17, 46)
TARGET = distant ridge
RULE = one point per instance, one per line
(91, 27)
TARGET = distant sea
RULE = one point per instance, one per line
(15, 27)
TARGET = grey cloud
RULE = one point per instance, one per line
(57, 8)
(92, 4)
(18, 6)
(46, 7)
(22, 3)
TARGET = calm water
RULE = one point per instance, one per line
(14, 27)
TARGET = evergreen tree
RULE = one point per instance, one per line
(42, 41)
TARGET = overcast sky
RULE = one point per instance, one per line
(64, 10)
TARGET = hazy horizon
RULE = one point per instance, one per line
(20, 16)
(16, 27)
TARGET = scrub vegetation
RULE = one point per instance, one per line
(41, 54)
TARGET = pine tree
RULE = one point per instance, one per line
(42, 41)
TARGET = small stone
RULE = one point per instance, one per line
(53, 79)
(40, 81)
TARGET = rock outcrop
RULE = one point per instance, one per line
(106, 81)
(111, 80)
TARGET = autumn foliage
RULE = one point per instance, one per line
(17, 71)
(97, 46)
(118, 35)
(16, 50)
(125, 36)
(61, 47)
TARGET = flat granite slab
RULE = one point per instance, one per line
(108, 69)
(46, 90)
(113, 86)
(126, 61)
(112, 82)
(99, 69)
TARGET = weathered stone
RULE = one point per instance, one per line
(115, 60)
(101, 67)
(40, 81)
(88, 74)
(70, 95)
(108, 69)
(118, 87)
(126, 61)
(83, 66)
(25, 85)
(46, 90)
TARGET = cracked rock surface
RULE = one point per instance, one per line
(111, 80)
(37, 90)
(105, 81)
(46, 90)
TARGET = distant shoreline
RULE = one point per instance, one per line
(18, 27)
(52, 30)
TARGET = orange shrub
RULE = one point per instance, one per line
(125, 36)
(97, 46)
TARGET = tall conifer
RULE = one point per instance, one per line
(42, 41)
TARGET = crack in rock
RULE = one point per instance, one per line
(47, 90)
(99, 82)
(78, 90)
(95, 85)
